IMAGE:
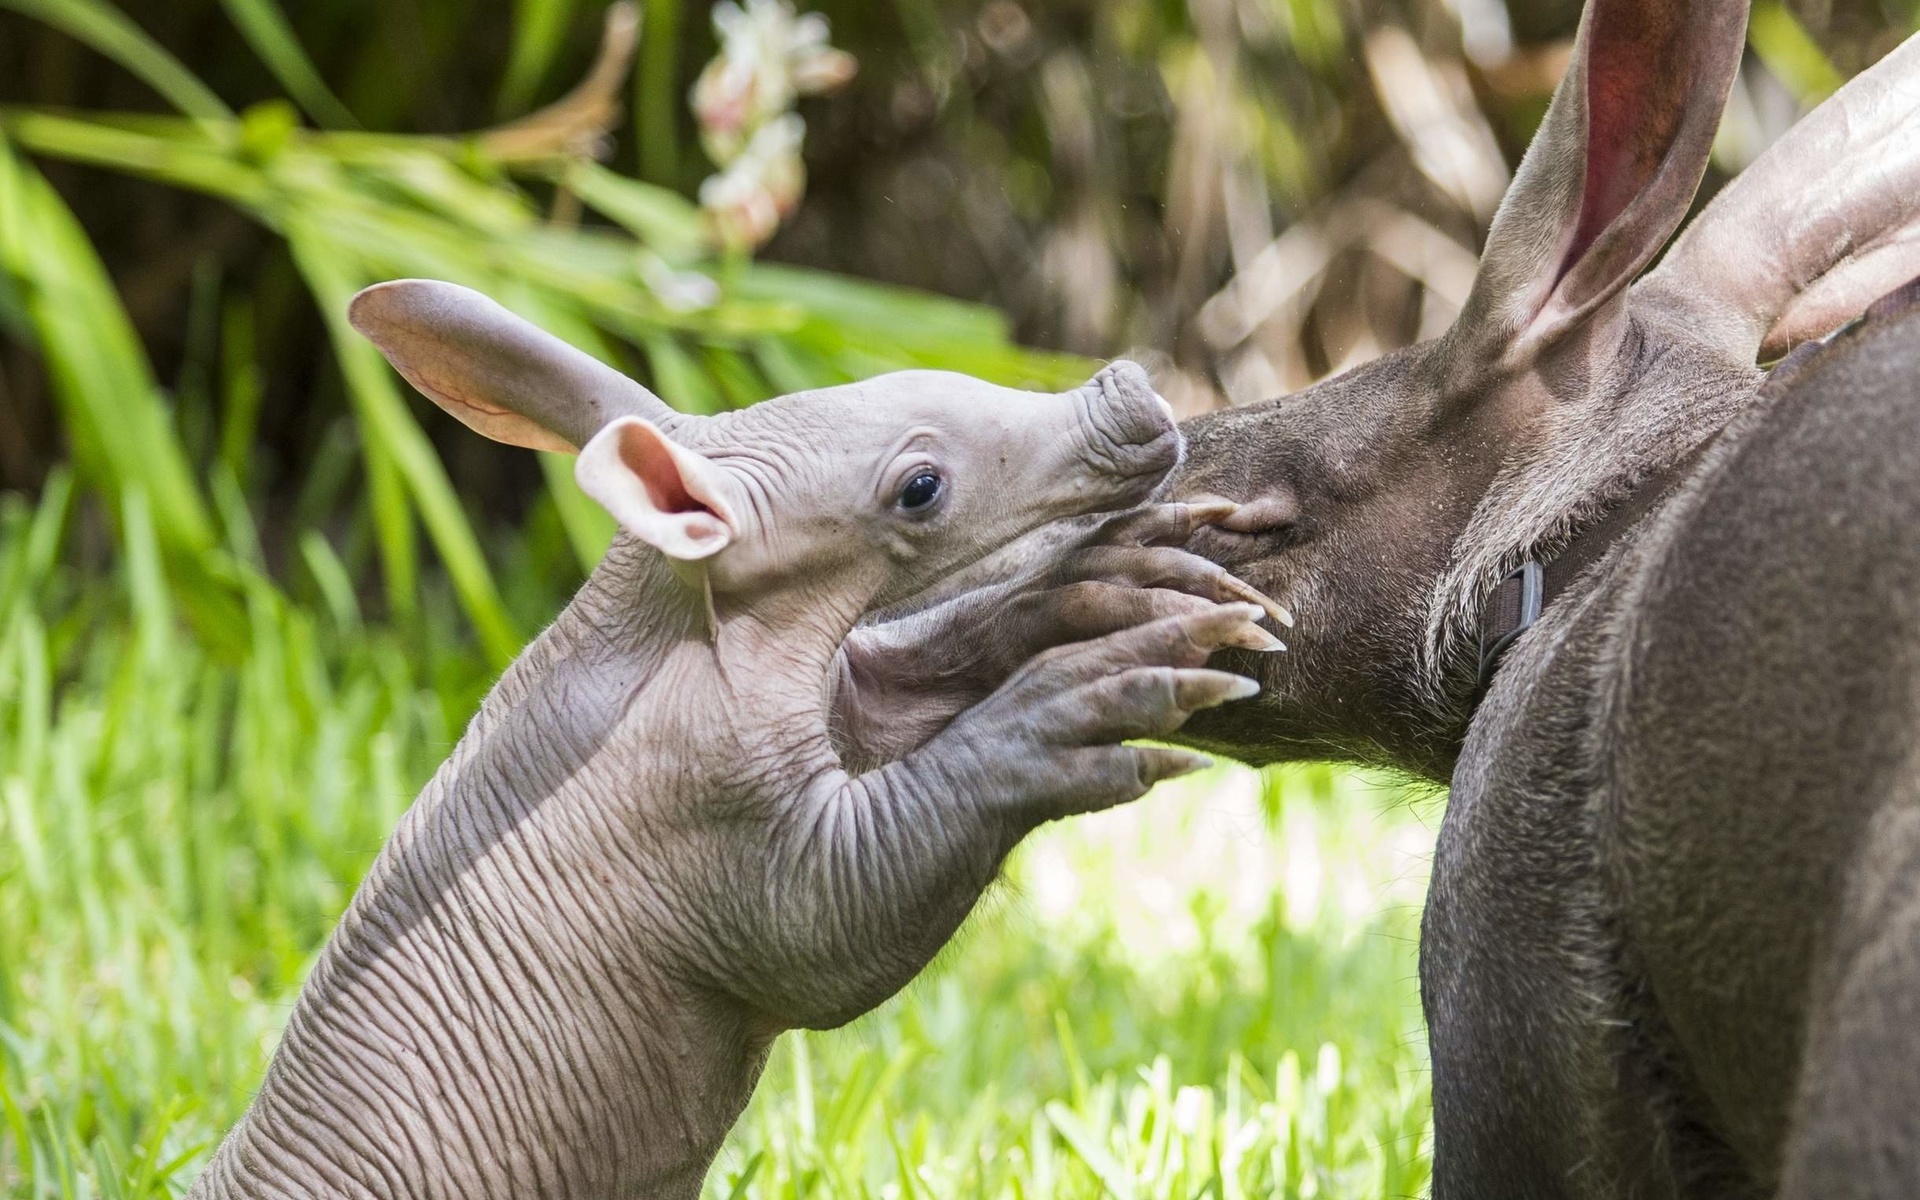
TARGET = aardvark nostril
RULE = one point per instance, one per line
(1138, 413)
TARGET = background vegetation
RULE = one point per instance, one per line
(251, 587)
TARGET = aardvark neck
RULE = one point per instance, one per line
(493, 1016)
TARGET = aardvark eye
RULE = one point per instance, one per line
(920, 491)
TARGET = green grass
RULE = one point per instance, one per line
(1210, 993)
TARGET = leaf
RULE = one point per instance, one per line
(868, 327)
(146, 578)
(1085, 1143)
(241, 390)
(441, 187)
(538, 29)
(330, 576)
(657, 91)
(736, 376)
(174, 152)
(909, 1186)
(589, 527)
(28, 562)
(790, 369)
(265, 27)
(739, 1189)
(122, 433)
(1790, 52)
(388, 428)
(875, 307)
(664, 219)
(679, 379)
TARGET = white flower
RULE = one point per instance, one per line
(817, 67)
(761, 187)
(769, 56)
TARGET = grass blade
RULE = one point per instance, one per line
(265, 27)
(330, 576)
(387, 428)
(747, 1174)
(656, 93)
(539, 27)
(241, 388)
(1085, 1143)
(1790, 52)
(122, 433)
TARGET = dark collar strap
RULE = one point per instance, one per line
(1522, 596)
(1525, 593)
(1511, 610)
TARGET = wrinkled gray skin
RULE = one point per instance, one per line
(645, 858)
(1672, 947)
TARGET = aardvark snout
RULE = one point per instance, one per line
(1131, 432)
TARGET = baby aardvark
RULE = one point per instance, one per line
(645, 859)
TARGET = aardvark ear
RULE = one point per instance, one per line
(503, 376)
(672, 498)
(1610, 175)
(1820, 226)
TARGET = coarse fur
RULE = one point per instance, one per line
(1687, 806)
(1672, 941)
(1672, 944)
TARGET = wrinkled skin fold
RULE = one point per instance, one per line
(647, 857)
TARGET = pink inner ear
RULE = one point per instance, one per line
(1635, 100)
(652, 463)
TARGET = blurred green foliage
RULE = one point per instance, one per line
(353, 208)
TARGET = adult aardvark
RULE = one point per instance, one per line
(1673, 941)
(1652, 612)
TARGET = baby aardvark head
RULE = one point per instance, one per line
(884, 486)
(868, 492)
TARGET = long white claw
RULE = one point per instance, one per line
(1251, 637)
(1243, 688)
(1271, 607)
